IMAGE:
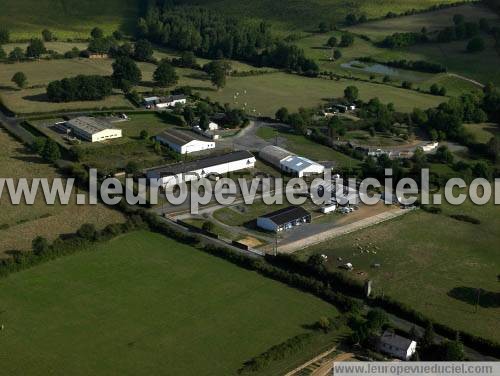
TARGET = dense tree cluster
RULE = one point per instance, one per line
(79, 88)
(399, 40)
(211, 35)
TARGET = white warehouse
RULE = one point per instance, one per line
(290, 162)
(93, 129)
(219, 165)
(182, 142)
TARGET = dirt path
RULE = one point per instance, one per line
(326, 368)
(312, 361)
(339, 231)
(477, 83)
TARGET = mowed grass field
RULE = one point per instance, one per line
(432, 21)
(67, 18)
(260, 94)
(143, 303)
(20, 224)
(433, 263)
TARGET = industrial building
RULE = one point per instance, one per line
(183, 142)
(289, 162)
(300, 166)
(170, 175)
(92, 129)
(284, 219)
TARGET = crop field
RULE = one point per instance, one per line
(67, 18)
(430, 267)
(435, 20)
(20, 224)
(145, 302)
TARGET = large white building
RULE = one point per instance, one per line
(183, 142)
(300, 166)
(397, 346)
(289, 162)
(170, 175)
(93, 129)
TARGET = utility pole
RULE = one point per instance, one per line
(477, 301)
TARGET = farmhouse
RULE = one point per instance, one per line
(182, 142)
(164, 102)
(397, 346)
(284, 219)
(93, 129)
(183, 172)
(289, 162)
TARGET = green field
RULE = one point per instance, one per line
(433, 263)
(20, 224)
(483, 132)
(67, 18)
(143, 303)
(302, 15)
(433, 21)
(479, 66)
(303, 146)
(261, 94)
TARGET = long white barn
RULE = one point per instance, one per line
(170, 175)
(183, 143)
(290, 162)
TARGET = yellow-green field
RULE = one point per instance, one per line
(22, 223)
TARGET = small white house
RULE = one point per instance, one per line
(173, 174)
(397, 346)
(430, 147)
(182, 142)
(213, 126)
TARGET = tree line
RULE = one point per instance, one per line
(212, 35)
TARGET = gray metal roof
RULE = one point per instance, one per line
(274, 154)
(178, 137)
(286, 215)
(90, 125)
(389, 338)
(200, 164)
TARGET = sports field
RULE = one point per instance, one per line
(20, 224)
(433, 263)
(143, 303)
